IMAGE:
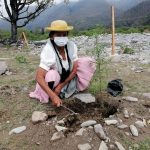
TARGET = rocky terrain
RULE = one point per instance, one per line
(87, 121)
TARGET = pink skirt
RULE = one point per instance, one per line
(85, 71)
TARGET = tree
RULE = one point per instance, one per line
(20, 12)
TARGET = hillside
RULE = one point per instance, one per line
(124, 4)
(86, 14)
(81, 14)
(138, 15)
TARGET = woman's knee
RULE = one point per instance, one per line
(52, 75)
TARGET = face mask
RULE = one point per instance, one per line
(60, 41)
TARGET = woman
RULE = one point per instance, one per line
(61, 73)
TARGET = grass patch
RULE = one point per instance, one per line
(128, 50)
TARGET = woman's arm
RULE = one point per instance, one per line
(40, 78)
(70, 77)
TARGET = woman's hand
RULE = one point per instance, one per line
(56, 101)
(58, 88)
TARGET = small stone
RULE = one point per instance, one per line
(131, 99)
(103, 146)
(144, 122)
(60, 128)
(120, 147)
(57, 135)
(86, 98)
(90, 127)
(111, 122)
(38, 116)
(8, 73)
(3, 67)
(123, 126)
(100, 132)
(61, 121)
(84, 146)
(88, 123)
(134, 130)
(127, 133)
(126, 113)
(80, 132)
(146, 95)
(139, 124)
(8, 122)
(132, 114)
(112, 146)
(37, 143)
(17, 130)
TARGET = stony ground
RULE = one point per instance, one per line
(16, 108)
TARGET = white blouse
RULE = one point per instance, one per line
(48, 57)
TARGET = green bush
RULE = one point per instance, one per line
(128, 50)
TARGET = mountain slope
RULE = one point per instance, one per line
(124, 4)
(138, 15)
(85, 14)
(82, 15)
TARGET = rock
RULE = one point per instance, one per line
(100, 132)
(137, 69)
(123, 126)
(3, 67)
(8, 121)
(38, 116)
(8, 73)
(134, 130)
(88, 123)
(126, 113)
(17, 130)
(60, 128)
(146, 95)
(139, 124)
(86, 98)
(61, 121)
(103, 146)
(90, 127)
(80, 132)
(112, 146)
(84, 146)
(111, 122)
(129, 98)
(127, 133)
(119, 146)
(57, 135)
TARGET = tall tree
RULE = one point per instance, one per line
(21, 12)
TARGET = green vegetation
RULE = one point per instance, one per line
(38, 34)
(99, 82)
(21, 59)
(128, 50)
(143, 145)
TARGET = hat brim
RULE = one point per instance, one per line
(59, 29)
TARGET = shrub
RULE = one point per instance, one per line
(128, 50)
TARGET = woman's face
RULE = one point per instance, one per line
(60, 34)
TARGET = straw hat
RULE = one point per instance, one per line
(59, 25)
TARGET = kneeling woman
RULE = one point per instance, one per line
(61, 73)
